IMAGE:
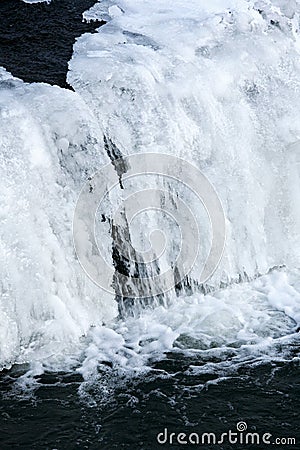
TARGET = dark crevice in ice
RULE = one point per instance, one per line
(36, 40)
(116, 157)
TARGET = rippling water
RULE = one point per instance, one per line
(200, 386)
(36, 40)
(265, 397)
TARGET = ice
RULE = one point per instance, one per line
(216, 83)
(50, 143)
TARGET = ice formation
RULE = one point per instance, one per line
(216, 83)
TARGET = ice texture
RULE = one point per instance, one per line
(218, 84)
(50, 143)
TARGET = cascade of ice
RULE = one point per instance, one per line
(215, 83)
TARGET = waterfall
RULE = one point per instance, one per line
(213, 84)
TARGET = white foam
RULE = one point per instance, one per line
(36, 1)
(251, 322)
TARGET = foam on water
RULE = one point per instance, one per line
(243, 323)
(36, 1)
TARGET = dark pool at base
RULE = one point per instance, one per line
(266, 397)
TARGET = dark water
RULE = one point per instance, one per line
(36, 40)
(35, 45)
(265, 397)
